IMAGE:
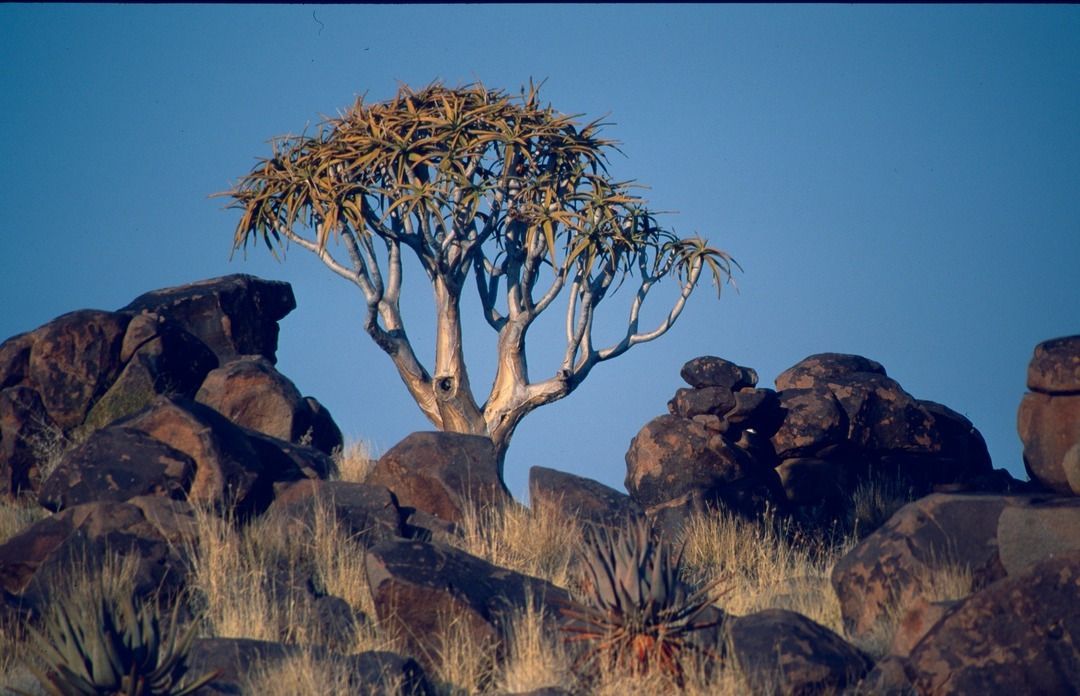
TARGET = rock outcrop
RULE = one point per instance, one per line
(86, 370)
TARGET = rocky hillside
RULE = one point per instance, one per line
(124, 424)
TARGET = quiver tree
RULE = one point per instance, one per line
(486, 191)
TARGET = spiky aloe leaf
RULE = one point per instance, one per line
(638, 610)
(113, 646)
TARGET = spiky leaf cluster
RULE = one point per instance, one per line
(638, 610)
(110, 645)
(446, 171)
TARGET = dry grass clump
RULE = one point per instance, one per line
(874, 501)
(764, 565)
(242, 576)
(18, 515)
(537, 657)
(539, 541)
(355, 461)
(303, 673)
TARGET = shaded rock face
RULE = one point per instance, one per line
(25, 429)
(153, 529)
(580, 497)
(117, 464)
(1018, 635)
(159, 358)
(442, 474)
(89, 369)
(894, 564)
(250, 392)
(846, 409)
(711, 450)
(234, 315)
(671, 456)
(73, 360)
(369, 513)
(235, 468)
(1049, 416)
(419, 587)
(836, 421)
(783, 652)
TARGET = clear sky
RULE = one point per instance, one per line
(897, 182)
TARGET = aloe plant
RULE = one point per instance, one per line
(638, 611)
(111, 645)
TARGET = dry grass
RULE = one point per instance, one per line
(355, 461)
(242, 576)
(18, 515)
(763, 565)
(302, 674)
(537, 541)
(874, 501)
(536, 656)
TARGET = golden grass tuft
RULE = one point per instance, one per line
(539, 541)
(235, 569)
(763, 565)
(355, 461)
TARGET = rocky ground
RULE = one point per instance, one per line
(126, 426)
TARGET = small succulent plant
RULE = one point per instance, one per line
(638, 612)
(109, 645)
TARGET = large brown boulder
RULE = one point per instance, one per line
(671, 456)
(159, 357)
(235, 468)
(813, 421)
(369, 513)
(74, 360)
(1020, 635)
(710, 371)
(890, 568)
(1049, 426)
(234, 315)
(783, 652)
(443, 474)
(581, 498)
(1049, 416)
(1055, 366)
(845, 408)
(15, 359)
(419, 588)
(117, 464)
(250, 392)
(154, 530)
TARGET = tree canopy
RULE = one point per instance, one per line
(484, 187)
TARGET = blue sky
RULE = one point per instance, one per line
(897, 182)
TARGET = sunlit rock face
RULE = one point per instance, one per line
(1049, 417)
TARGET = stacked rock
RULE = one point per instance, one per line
(834, 421)
(713, 447)
(1049, 416)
